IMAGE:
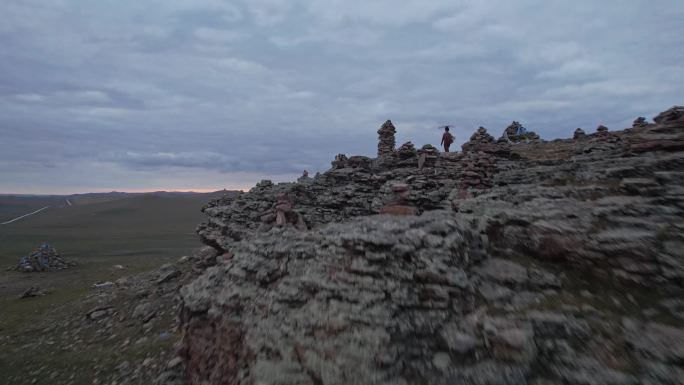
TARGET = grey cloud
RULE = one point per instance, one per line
(172, 91)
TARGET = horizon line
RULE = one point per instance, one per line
(131, 191)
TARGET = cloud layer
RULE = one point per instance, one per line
(169, 94)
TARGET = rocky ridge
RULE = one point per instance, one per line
(544, 263)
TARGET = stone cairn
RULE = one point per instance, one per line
(481, 136)
(282, 214)
(340, 161)
(305, 178)
(640, 122)
(427, 156)
(478, 169)
(603, 140)
(401, 205)
(482, 141)
(406, 151)
(511, 133)
(43, 258)
(602, 131)
(579, 134)
(478, 163)
(386, 139)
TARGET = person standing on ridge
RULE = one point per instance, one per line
(447, 139)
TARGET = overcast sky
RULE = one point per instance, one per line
(135, 95)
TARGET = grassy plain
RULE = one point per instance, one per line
(139, 232)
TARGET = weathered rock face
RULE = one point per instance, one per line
(337, 306)
(672, 116)
(562, 264)
(355, 186)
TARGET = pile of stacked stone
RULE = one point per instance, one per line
(478, 164)
(478, 169)
(640, 122)
(600, 144)
(340, 161)
(515, 132)
(386, 139)
(602, 131)
(481, 136)
(43, 258)
(602, 141)
(406, 151)
(482, 141)
(477, 172)
(427, 156)
(305, 178)
(579, 134)
(400, 206)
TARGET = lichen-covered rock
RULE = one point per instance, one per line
(336, 306)
(535, 279)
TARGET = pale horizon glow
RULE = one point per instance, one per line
(129, 191)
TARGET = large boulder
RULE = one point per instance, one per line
(674, 115)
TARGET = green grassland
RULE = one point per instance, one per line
(97, 231)
(140, 232)
(14, 206)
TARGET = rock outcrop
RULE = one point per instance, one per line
(673, 116)
(561, 264)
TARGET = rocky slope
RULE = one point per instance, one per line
(508, 263)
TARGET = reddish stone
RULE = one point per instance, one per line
(399, 210)
(214, 351)
(658, 145)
